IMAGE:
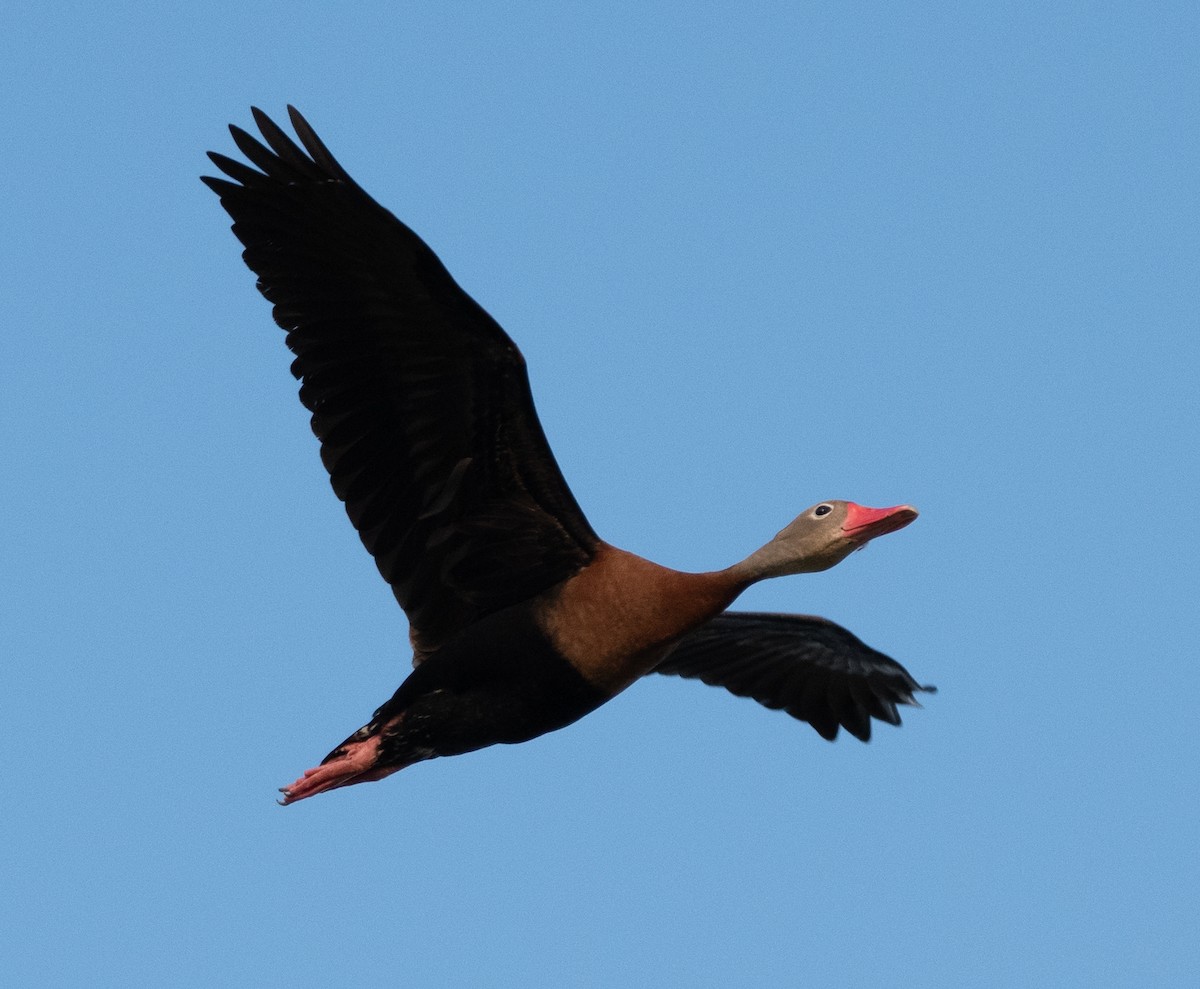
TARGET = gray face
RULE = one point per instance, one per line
(825, 534)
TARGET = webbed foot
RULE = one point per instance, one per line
(351, 762)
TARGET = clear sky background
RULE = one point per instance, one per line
(757, 255)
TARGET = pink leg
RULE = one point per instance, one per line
(355, 765)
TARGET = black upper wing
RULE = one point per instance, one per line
(420, 400)
(811, 668)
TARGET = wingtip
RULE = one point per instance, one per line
(300, 123)
(242, 137)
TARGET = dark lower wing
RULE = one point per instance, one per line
(811, 668)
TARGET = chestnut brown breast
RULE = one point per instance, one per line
(615, 619)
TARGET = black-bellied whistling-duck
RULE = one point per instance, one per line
(522, 619)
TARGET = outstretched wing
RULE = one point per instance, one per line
(815, 670)
(420, 400)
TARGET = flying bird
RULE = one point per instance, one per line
(522, 620)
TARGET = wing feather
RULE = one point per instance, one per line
(809, 667)
(420, 400)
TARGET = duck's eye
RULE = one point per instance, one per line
(822, 510)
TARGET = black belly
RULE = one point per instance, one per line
(501, 681)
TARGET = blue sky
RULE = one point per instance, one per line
(756, 255)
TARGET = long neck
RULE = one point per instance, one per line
(775, 559)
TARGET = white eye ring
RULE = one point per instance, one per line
(822, 510)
